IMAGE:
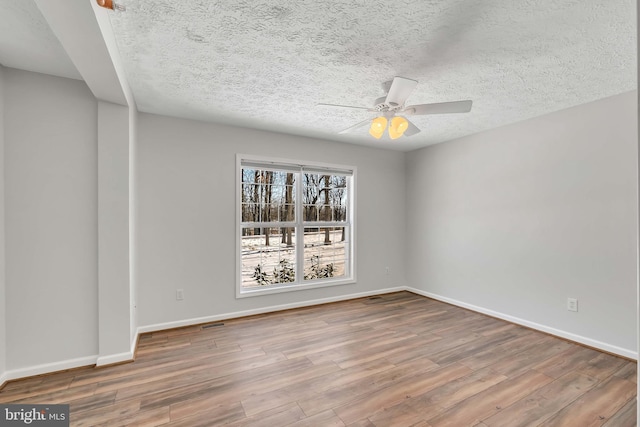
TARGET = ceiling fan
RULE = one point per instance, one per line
(390, 109)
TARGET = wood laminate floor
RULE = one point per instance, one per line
(394, 360)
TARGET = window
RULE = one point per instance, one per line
(295, 225)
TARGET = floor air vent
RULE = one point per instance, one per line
(213, 325)
(375, 298)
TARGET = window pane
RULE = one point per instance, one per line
(267, 196)
(251, 193)
(325, 213)
(290, 194)
(310, 213)
(325, 197)
(310, 190)
(325, 253)
(280, 177)
(340, 213)
(268, 256)
(250, 212)
(287, 212)
(269, 213)
(248, 175)
(277, 194)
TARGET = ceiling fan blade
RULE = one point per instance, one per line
(343, 106)
(411, 130)
(356, 126)
(399, 91)
(439, 108)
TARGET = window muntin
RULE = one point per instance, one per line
(294, 225)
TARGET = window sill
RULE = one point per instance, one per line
(275, 289)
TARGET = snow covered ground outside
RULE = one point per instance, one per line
(255, 252)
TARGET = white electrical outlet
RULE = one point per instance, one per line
(179, 294)
(572, 304)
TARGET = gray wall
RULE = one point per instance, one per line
(515, 220)
(186, 214)
(3, 336)
(114, 290)
(51, 220)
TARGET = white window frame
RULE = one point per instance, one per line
(299, 225)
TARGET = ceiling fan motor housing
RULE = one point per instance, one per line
(381, 106)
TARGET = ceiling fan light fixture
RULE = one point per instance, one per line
(397, 127)
(398, 90)
(378, 125)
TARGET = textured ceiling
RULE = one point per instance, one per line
(27, 42)
(266, 63)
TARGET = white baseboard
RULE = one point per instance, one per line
(134, 342)
(262, 310)
(630, 354)
(111, 359)
(47, 368)
(127, 356)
